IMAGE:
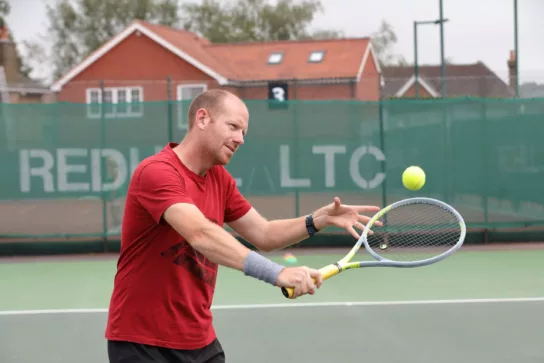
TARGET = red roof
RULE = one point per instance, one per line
(343, 58)
(248, 61)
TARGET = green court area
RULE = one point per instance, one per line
(480, 305)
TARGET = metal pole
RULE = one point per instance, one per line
(416, 67)
(516, 47)
(103, 167)
(382, 143)
(169, 120)
(443, 66)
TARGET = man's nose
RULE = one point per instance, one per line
(239, 139)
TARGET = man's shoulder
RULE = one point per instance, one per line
(152, 169)
(157, 162)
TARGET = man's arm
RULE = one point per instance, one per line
(222, 248)
(276, 234)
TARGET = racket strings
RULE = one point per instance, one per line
(415, 232)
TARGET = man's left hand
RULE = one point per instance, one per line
(343, 216)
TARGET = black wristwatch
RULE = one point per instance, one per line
(310, 226)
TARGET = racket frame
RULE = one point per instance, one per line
(346, 263)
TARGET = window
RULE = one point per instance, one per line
(186, 92)
(118, 102)
(275, 58)
(316, 56)
(93, 102)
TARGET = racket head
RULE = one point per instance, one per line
(413, 232)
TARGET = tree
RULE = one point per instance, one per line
(253, 20)
(5, 10)
(383, 42)
(78, 27)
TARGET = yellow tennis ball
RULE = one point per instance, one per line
(413, 178)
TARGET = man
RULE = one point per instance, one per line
(173, 241)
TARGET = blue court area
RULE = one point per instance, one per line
(480, 306)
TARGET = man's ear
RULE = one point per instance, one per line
(202, 118)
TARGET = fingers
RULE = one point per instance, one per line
(358, 208)
(359, 226)
(365, 220)
(302, 281)
(365, 208)
(305, 284)
(316, 275)
(353, 232)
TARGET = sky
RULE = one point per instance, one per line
(477, 30)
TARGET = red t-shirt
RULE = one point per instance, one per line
(163, 288)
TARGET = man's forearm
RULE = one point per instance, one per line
(282, 233)
(220, 246)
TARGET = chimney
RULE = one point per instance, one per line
(4, 33)
(512, 76)
(8, 56)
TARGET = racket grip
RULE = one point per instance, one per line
(326, 273)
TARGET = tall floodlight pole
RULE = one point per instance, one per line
(516, 46)
(442, 60)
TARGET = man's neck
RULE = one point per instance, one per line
(192, 157)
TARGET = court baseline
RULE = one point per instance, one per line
(297, 305)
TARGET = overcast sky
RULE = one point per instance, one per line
(477, 29)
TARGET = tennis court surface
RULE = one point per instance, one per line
(478, 306)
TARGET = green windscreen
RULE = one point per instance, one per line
(483, 156)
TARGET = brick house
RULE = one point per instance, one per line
(147, 62)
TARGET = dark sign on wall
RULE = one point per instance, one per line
(278, 95)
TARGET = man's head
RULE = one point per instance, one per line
(218, 122)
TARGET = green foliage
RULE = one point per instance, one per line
(5, 10)
(78, 27)
(253, 20)
(383, 41)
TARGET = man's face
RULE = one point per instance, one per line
(226, 131)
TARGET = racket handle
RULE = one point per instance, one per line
(326, 273)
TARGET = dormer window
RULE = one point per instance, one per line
(275, 58)
(316, 56)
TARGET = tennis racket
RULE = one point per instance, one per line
(412, 232)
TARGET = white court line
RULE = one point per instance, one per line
(295, 305)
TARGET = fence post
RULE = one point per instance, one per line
(296, 146)
(447, 149)
(485, 155)
(169, 121)
(102, 168)
(382, 146)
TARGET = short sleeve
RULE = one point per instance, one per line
(236, 205)
(159, 186)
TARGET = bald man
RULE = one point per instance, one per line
(173, 240)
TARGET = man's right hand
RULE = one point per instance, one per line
(301, 279)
